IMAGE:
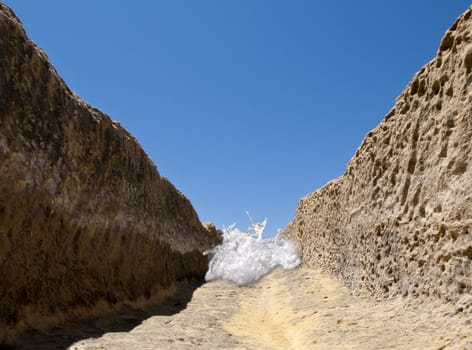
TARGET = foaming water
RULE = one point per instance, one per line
(244, 257)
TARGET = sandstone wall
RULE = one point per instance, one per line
(85, 217)
(400, 219)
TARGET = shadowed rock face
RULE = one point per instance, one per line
(85, 217)
(400, 219)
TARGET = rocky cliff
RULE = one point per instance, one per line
(86, 221)
(399, 221)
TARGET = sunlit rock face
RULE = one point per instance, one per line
(399, 221)
(86, 221)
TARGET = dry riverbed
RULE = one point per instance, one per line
(300, 309)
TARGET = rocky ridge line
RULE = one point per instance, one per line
(399, 221)
(86, 221)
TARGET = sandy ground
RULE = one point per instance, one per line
(300, 309)
(309, 310)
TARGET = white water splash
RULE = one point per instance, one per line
(244, 257)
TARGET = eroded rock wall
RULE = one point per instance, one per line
(85, 217)
(400, 219)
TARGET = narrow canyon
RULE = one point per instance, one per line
(99, 251)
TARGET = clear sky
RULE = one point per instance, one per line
(242, 104)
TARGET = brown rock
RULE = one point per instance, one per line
(86, 221)
(302, 309)
(399, 221)
(215, 232)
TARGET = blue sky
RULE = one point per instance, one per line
(242, 104)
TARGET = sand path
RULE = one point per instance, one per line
(300, 309)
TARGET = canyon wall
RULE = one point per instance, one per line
(399, 221)
(86, 221)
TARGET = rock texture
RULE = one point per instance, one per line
(399, 221)
(286, 310)
(86, 221)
